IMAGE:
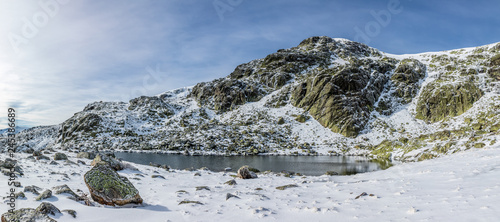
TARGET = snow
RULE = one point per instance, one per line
(459, 187)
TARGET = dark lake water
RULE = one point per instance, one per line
(306, 165)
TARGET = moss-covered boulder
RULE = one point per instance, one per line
(106, 186)
(436, 102)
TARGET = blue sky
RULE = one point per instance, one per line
(58, 56)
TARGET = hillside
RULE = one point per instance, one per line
(325, 96)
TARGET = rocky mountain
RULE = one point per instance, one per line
(325, 96)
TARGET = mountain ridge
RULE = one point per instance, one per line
(325, 96)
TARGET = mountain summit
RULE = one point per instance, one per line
(325, 96)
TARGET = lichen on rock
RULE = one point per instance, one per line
(106, 186)
(437, 102)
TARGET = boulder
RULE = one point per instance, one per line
(60, 156)
(107, 160)
(48, 208)
(64, 189)
(245, 173)
(26, 214)
(106, 186)
(46, 194)
(86, 155)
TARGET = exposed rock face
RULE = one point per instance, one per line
(77, 123)
(245, 173)
(341, 100)
(406, 78)
(226, 94)
(437, 101)
(107, 187)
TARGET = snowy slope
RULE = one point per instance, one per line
(459, 187)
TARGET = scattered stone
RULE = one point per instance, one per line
(157, 176)
(202, 188)
(231, 182)
(154, 164)
(26, 214)
(181, 191)
(228, 195)
(33, 189)
(69, 162)
(361, 195)
(20, 195)
(81, 162)
(42, 157)
(165, 167)
(37, 153)
(331, 173)
(190, 202)
(64, 189)
(86, 155)
(48, 208)
(197, 174)
(245, 173)
(258, 188)
(53, 163)
(286, 186)
(60, 156)
(46, 194)
(204, 169)
(106, 186)
(8, 163)
(227, 169)
(70, 212)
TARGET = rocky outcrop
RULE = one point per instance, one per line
(226, 94)
(341, 100)
(85, 122)
(107, 187)
(437, 102)
(406, 79)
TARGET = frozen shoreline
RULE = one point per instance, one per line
(462, 187)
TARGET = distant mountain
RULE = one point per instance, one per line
(18, 129)
(325, 96)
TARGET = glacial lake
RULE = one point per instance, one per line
(306, 165)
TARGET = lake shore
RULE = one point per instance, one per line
(462, 186)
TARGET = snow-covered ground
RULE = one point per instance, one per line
(461, 187)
